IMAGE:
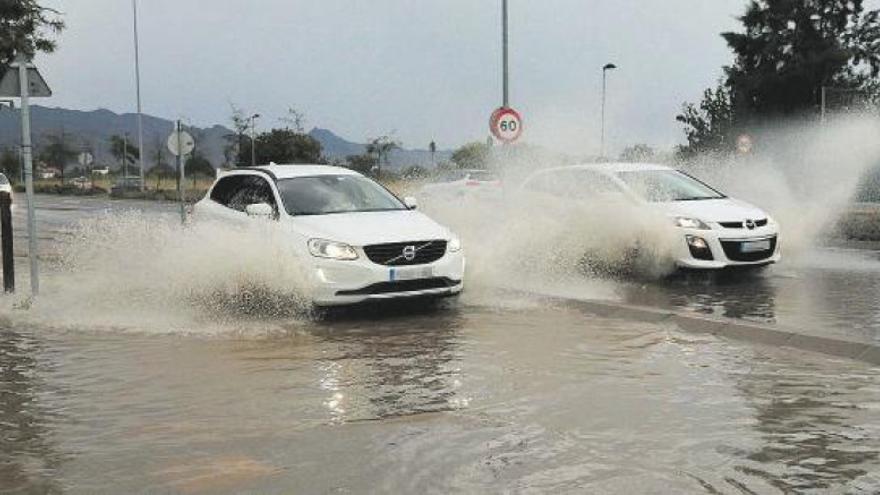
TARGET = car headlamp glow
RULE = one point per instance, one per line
(691, 223)
(454, 245)
(333, 250)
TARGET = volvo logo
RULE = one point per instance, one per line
(750, 224)
(409, 253)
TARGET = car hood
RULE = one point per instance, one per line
(365, 228)
(714, 210)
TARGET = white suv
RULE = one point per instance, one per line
(358, 241)
(713, 230)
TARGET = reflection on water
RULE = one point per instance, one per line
(813, 435)
(28, 461)
(829, 292)
(447, 399)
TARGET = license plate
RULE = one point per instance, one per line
(410, 273)
(755, 246)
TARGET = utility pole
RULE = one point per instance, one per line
(137, 78)
(504, 67)
(27, 154)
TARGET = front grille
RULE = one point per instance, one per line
(402, 286)
(733, 252)
(741, 225)
(392, 254)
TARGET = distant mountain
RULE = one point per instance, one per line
(92, 130)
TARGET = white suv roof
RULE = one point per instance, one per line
(614, 167)
(298, 170)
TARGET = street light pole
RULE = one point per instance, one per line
(605, 70)
(137, 78)
(254, 118)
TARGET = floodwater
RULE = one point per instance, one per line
(493, 393)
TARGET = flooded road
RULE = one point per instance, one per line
(494, 393)
(458, 399)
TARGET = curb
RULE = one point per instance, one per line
(728, 328)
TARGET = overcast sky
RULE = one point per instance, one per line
(422, 69)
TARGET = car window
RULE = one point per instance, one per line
(225, 188)
(482, 175)
(667, 185)
(3, 180)
(325, 194)
(239, 191)
(451, 176)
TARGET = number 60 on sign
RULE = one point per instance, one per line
(506, 124)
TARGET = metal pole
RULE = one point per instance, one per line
(124, 160)
(6, 232)
(180, 165)
(504, 75)
(824, 91)
(137, 78)
(28, 173)
(253, 141)
(602, 141)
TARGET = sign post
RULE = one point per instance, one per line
(180, 143)
(28, 83)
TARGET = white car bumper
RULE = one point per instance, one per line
(729, 248)
(337, 283)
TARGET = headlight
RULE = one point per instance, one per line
(454, 245)
(691, 223)
(333, 250)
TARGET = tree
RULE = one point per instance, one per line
(472, 155)
(638, 153)
(283, 146)
(233, 151)
(27, 27)
(162, 171)
(361, 163)
(199, 166)
(788, 51)
(124, 151)
(294, 120)
(709, 126)
(58, 151)
(10, 165)
(382, 147)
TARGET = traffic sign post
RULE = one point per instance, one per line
(180, 143)
(506, 125)
(28, 83)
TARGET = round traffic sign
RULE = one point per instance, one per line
(506, 124)
(85, 159)
(187, 143)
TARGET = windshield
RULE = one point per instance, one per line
(3, 180)
(324, 194)
(659, 186)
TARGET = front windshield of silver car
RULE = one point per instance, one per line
(326, 194)
(658, 186)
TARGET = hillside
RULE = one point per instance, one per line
(92, 129)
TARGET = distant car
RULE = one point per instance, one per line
(5, 185)
(714, 230)
(82, 183)
(454, 184)
(130, 183)
(358, 241)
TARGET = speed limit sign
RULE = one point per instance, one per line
(506, 124)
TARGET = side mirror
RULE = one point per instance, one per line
(411, 202)
(259, 210)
